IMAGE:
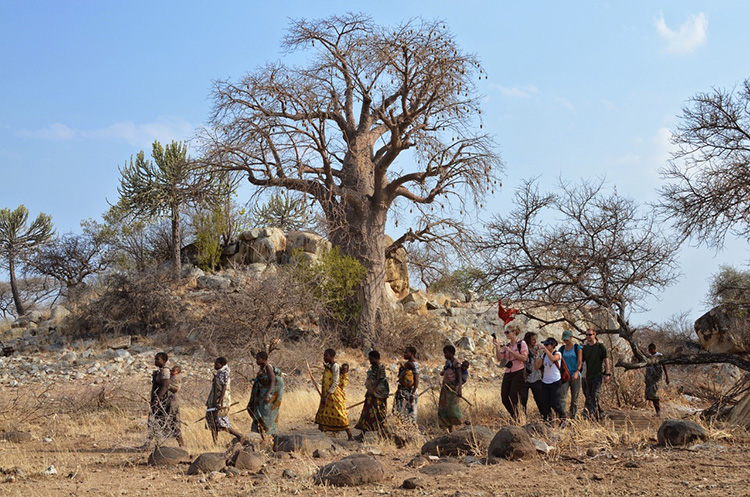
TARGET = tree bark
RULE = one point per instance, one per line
(20, 311)
(176, 243)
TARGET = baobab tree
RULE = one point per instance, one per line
(378, 116)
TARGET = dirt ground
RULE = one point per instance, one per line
(94, 454)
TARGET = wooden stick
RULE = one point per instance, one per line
(204, 417)
(312, 378)
(456, 394)
(390, 395)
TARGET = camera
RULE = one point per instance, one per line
(493, 335)
(509, 364)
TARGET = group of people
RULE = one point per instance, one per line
(554, 373)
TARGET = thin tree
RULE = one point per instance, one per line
(708, 178)
(581, 248)
(18, 239)
(377, 114)
(163, 187)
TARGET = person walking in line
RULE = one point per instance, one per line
(572, 354)
(219, 401)
(513, 355)
(406, 399)
(265, 397)
(549, 360)
(332, 414)
(653, 379)
(533, 375)
(597, 371)
(449, 411)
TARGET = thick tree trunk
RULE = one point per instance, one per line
(359, 230)
(20, 311)
(176, 243)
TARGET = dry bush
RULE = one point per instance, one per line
(133, 303)
(268, 312)
(399, 329)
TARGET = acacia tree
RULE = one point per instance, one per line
(164, 187)
(71, 259)
(18, 239)
(582, 248)
(708, 178)
(377, 114)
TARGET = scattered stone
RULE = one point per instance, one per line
(443, 469)
(353, 470)
(247, 461)
(591, 452)
(676, 432)
(213, 282)
(412, 483)
(46, 440)
(512, 443)
(321, 454)
(207, 462)
(632, 464)
(289, 474)
(216, 475)
(596, 477)
(418, 462)
(69, 357)
(542, 447)
(302, 442)
(232, 472)
(16, 436)
(168, 456)
(469, 440)
(51, 470)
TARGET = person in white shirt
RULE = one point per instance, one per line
(549, 360)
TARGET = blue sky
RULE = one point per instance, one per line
(584, 89)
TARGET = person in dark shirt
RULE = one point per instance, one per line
(597, 371)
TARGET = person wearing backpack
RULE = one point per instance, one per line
(533, 375)
(552, 379)
(572, 354)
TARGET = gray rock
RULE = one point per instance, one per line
(213, 282)
(354, 470)
(168, 456)
(677, 432)
(474, 439)
(542, 447)
(412, 483)
(247, 461)
(512, 443)
(538, 430)
(207, 463)
(302, 442)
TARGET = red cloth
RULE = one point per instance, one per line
(507, 315)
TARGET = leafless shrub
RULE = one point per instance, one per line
(132, 303)
(400, 330)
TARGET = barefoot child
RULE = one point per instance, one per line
(219, 401)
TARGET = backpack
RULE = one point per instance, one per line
(563, 367)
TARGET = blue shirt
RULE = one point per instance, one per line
(571, 357)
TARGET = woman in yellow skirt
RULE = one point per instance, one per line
(332, 415)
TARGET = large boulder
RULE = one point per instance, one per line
(306, 242)
(415, 300)
(470, 440)
(208, 462)
(301, 442)
(512, 443)
(269, 247)
(168, 456)
(351, 471)
(724, 330)
(213, 282)
(677, 432)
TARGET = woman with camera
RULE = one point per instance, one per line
(551, 379)
(513, 355)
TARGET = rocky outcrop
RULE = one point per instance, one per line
(724, 330)
(471, 440)
(397, 270)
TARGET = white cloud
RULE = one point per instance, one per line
(141, 135)
(515, 91)
(691, 35)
